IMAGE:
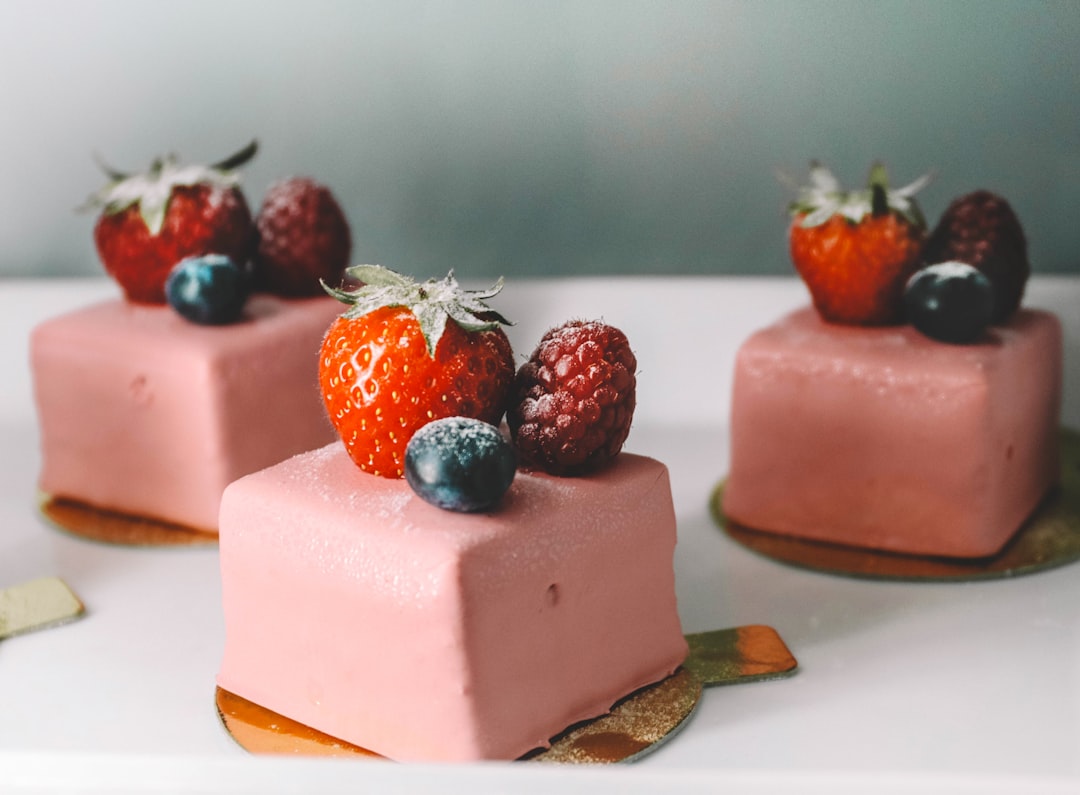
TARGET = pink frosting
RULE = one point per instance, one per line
(883, 438)
(356, 608)
(142, 412)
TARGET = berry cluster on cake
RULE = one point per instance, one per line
(434, 587)
(151, 403)
(914, 409)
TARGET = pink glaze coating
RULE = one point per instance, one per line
(883, 438)
(356, 608)
(143, 412)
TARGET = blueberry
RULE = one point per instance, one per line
(950, 302)
(209, 290)
(459, 464)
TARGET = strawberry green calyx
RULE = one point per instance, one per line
(432, 302)
(824, 197)
(153, 190)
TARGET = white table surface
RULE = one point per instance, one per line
(965, 687)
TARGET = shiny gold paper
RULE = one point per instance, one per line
(636, 725)
(37, 604)
(111, 527)
(261, 731)
(1050, 538)
(744, 654)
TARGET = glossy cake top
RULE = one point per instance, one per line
(386, 514)
(115, 323)
(805, 336)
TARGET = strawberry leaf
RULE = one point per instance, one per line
(824, 197)
(237, 159)
(432, 319)
(153, 190)
(377, 275)
(432, 302)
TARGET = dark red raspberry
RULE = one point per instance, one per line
(303, 237)
(574, 399)
(982, 230)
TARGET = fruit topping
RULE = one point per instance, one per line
(406, 353)
(856, 249)
(209, 290)
(460, 464)
(950, 302)
(574, 399)
(149, 222)
(982, 230)
(303, 237)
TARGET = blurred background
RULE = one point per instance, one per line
(543, 138)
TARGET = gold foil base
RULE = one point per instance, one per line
(41, 603)
(112, 527)
(1050, 538)
(636, 725)
(745, 654)
(262, 731)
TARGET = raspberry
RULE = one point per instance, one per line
(303, 237)
(982, 230)
(574, 399)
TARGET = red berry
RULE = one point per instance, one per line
(982, 230)
(574, 399)
(152, 221)
(855, 250)
(200, 220)
(397, 359)
(303, 237)
(856, 272)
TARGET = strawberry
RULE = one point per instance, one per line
(982, 230)
(574, 399)
(855, 250)
(303, 238)
(404, 354)
(149, 222)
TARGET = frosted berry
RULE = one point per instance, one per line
(460, 464)
(982, 230)
(950, 302)
(209, 290)
(574, 399)
(303, 237)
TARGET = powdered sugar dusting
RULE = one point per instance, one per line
(461, 436)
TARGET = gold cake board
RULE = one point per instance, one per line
(636, 725)
(121, 529)
(1048, 539)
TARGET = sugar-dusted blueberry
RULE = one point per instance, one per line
(950, 302)
(460, 464)
(209, 290)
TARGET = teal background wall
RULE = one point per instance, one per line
(554, 137)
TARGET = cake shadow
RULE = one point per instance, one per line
(721, 583)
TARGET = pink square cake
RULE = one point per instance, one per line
(356, 608)
(144, 413)
(886, 439)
